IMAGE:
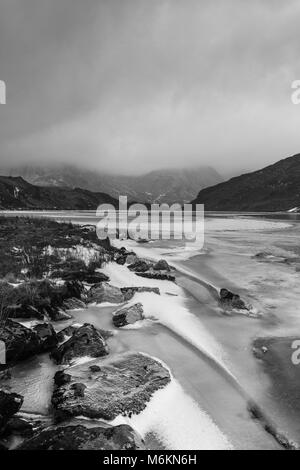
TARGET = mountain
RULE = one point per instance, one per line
(16, 193)
(158, 186)
(274, 188)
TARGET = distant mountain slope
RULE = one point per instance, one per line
(274, 188)
(16, 193)
(158, 186)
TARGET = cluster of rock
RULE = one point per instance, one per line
(79, 437)
(129, 292)
(92, 384)
(104, 387)
(10, 404)
(22, 342)
(10, 423)
(160, 270)
(43, 299)
(83, 341)
(128, 315)
(145, 268)
(107, 388)
(230, 301)
(105, 292)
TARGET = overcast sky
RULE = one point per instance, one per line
(134, 85)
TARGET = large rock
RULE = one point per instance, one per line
(73, 304)
(124, 256)
(66, 333)
(40, 299)
(128, 315)
(20, 342)
(79, 437)
(48, 337)
(19, 426)
(229, 300)
(158, 275)
(161, 265)
(85, 276)
(105, 293)
(73, 288)
(123, 386)
(140, 266)
(57, 314)
(121, 259)
(10, 404)
(85, 341)
(131, 258)
(129, 292)
(24, 312)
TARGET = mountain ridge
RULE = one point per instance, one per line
(166, 185)
(272, 188)
(18, 194)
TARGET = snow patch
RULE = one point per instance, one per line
(176, 419)
(86, 254)
(80, 361)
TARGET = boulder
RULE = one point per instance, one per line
(131, 258)
(79, 389)
(158, 275)
(124, 256)
(95, 278)
(95, 368)
(21, 342)
(5, 374)
(161, 265)
(85, 341)
(24, 312)
(73, 288)
(105, 293)
(19, 426)
(85, 276)
(79, 437)
(121, 259)
(10, 404)
(128, 315)
(263, 255)
(66, 333)
(48, 337)
(105, 244)
(229, 300)
(45, 297)
(129, 292)
(140, 266)
(57, 314)
(124, 385)
(142, 240)
(61, 378)
(73, 304)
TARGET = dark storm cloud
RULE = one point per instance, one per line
(131, 85)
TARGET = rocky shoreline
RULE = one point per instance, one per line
(49, 270)
(50, 276)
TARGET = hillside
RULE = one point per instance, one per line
(175, 185)
(273, 188)
(16, 193)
